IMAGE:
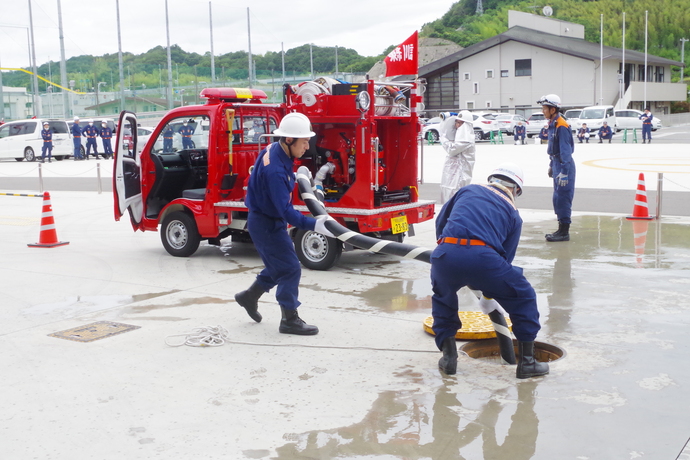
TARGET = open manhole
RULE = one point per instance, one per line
(488, 350)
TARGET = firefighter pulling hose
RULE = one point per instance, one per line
(309, 194)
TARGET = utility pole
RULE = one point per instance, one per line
(119, 56)
(213, 62)
(249, 37)
(63, 67)
(682, 58)
(169, 90)
(37, 97)
(311, 61)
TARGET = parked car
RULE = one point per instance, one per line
(572, 115)
(595, 116)
(535, 123)
(506, 122)
(484, 125)
(22, 139)
(143, 135)
(630, 119)
(482, 128)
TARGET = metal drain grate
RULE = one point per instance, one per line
(94, 331)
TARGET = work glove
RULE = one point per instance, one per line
(489, 305)
(320, 226)
(550, 172)
(562, 179)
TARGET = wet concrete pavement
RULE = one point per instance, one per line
(366, 387)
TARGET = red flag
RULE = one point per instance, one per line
(403, 59)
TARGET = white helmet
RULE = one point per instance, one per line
(76, 118)
(466, 116)
(295, 125)
(550, 99)
(508, 172)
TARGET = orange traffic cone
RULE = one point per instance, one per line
(48, 236)
(640, 228)
(641, 209)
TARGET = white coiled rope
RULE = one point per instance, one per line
(208, 336)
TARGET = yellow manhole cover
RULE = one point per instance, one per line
(475, 325)
(94, 331)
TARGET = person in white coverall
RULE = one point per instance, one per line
(457, 139)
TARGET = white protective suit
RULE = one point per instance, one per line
(459, 145)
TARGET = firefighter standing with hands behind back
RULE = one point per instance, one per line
(561, 165)
(269, 199)
(47, 136)
(478, 232)
(91, 132)
(457, 139)
(647, 118)
(106, 134)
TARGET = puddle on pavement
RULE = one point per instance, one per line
(410, 424)
(180, 303)
(79, 305)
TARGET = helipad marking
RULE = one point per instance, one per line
(657, 165)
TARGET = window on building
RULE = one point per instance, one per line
(523, 67)
(443, 90)
(475, 88)
(466, 76)
(504, 73)
(640, 73)
(470, 105)
(488, 104)
(489, 73)
(659, 74)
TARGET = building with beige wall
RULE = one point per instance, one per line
(539, 55)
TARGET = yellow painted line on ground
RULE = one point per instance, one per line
(18, 221)
(657, 165)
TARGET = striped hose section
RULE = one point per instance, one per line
(313, 198)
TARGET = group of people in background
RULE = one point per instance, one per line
(91, 132)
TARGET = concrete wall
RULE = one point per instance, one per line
(544, 24)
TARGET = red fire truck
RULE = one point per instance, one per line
(190, 176)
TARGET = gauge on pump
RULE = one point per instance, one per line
(363, 101)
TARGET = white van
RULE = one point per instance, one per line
(22, 139)
(595, 116)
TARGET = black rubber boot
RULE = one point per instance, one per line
(528, 366)
(449, 362)
(562, 234)
(291, 323)
(249, 300)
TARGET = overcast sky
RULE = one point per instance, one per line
(90, 27)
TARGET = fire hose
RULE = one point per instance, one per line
(313, 199)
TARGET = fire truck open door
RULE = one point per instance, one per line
(127, 171)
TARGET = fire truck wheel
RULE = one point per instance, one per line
(317, 251)
(179, 234)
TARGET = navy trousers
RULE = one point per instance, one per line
(277, 252)
(646, 131)
(563, 196)
(454, 266)
(91, 142)
(107, 147)
(77, 147)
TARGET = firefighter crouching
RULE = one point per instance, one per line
(478, 232)
(269, 200)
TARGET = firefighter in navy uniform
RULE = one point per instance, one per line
(91, 133)
(47, 136)
(646, 118)
(478, 232)
(605, 132)
(106, 134)
(519, 133)
(186, 132)
(168, 135)
(76, 139)
(561, 165)
(269, 199)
